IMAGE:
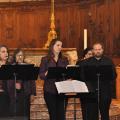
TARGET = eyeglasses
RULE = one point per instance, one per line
(20, 56)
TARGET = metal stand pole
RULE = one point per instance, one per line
(15, 78)
(98, 91)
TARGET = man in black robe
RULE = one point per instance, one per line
(100, 99)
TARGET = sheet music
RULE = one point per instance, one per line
(79, 86)
(71, 86)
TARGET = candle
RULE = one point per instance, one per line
(85, 38)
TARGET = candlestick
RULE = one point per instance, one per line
(85, 38)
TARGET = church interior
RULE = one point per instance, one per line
(31, 24)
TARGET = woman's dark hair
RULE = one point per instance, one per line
(15, 53)
(86, 51)
(50, 50)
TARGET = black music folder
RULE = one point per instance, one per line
(94, 75)
(105, 72)
(57, 73)
(72, 72)
(19, 72)
(6, 72)
(26, 72)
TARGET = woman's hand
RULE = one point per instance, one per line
(18, 86)
(46, 73)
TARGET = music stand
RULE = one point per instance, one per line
(93, 75)
(63, 73)
(73, 72)
(19, 72)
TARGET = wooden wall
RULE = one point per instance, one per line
(26, 24)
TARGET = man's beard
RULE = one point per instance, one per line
(98, 55)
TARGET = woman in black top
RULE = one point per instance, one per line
(21, 90)
(4, 96)
(54, 58)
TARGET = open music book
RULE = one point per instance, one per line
(71, 86)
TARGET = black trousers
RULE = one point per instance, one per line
(4, 104)
(55, 105)
(91, 107)
(20, 106)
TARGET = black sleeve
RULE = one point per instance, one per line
(80, 72)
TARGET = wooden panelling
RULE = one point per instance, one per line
(26, 24)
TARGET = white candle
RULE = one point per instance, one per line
(85, 38)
